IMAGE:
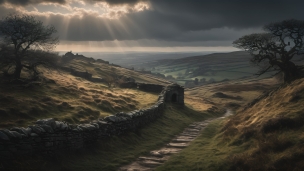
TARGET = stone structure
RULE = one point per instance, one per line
(70, 56)
(81, 74)
(150, 87)
(174, 94)
(49, 136)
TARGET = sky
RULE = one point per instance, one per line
(154, 25)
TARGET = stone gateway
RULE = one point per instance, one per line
(174, 94)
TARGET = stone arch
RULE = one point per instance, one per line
(174, 93)
(174, 98)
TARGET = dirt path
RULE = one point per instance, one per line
(158, 157)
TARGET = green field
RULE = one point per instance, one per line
(208, 68)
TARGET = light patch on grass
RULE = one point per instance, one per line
(71, 99)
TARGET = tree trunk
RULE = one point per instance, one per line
(18, 69)
(291, 72)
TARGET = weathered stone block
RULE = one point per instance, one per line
(3, 136)
(49, 144)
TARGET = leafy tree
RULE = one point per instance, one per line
(274, 49)
(25, 44)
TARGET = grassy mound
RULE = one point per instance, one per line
(265, 136)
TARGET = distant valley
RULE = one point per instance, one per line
(187, 69)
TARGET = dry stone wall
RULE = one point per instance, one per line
(48, 136)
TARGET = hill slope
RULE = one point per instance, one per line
(265, 136)
(63, 96)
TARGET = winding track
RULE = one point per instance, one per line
(158, 157)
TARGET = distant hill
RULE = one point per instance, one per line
(205, 69)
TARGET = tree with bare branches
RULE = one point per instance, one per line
(25, 44)
(275, 49)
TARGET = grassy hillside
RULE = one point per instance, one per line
(231, 94)
(73, 99)
(265, 136)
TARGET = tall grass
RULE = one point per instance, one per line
(266, 136)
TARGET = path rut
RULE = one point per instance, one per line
(158, 157)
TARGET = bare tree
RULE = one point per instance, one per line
(274, 49)
(23, 39)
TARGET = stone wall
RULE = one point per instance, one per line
(81, 74)
(49, 136)
(155, 88)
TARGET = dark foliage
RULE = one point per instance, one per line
(25, 44)
(274, 49)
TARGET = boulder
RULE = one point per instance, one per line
(16, 134)
(50, 122)
(61, 125)
(37, 129)
(87, 127)
(3, 136)
(124, 115)
(22, 131)
(113, 118)
(8, 133)
(47, 128)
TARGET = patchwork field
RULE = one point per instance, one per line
(205, 69)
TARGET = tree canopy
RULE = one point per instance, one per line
(274, 49)
(25, 42)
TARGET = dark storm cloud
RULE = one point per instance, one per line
(184, 20)
(206, 14)
(178, 20)
(27, 2)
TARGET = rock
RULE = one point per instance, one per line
(37, 129)
(22, 131)
(34, 135)
(25, 147)
(87, 127)
(49, 144)
(61, 125)
(64, 126)
(102, 123)
(3, 136)
(96, 125)
(28, 131)
(8, 133)
(47, 128)
(50, 122)
(122, 114)
(16, 134)
(112, 118)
